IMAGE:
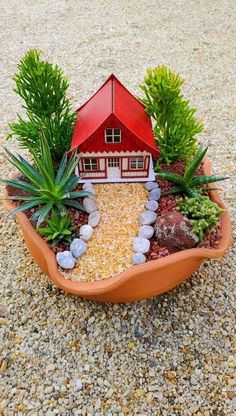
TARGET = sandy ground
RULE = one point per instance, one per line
(173, 355)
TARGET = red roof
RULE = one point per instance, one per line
(113, 98)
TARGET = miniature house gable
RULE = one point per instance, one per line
(114, 136)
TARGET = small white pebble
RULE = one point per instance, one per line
(147, 217)
(146, 231)
(94, 218)
(79, 384)
(65, 259)
(151, 205)
(85, 232)
(78, 247)
(141, 245)
(151, 185)
(138, 258)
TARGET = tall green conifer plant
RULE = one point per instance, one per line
(175, 125)
(43, 88)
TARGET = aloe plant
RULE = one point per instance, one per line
(58, 229)
(190, 183)
(46, 189)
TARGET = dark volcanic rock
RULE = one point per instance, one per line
(174, 231)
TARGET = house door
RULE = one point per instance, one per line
(113, 167)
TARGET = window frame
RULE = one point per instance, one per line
(112, 135)
(90, 163)
(114, 161)
(135, 158)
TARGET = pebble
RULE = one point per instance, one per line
(48, 390)
(65, 260)
(3, 311)
(151, 185)
(85, 232)
(141, 245)
(94, 218)
(146, 231)
(3, 366)
(147, 217)
(87, 185)
(154, 195)
(151, 205)
(138, 258)
(78, 247)
(51, 367)
(89, 205)
(79, 384)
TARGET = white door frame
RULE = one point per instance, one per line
(113, 167)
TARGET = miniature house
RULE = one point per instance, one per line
(114, 137)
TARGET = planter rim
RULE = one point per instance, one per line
(106, 285)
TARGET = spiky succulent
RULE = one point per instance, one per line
(190, 183)
(58, 229)
(46, 189)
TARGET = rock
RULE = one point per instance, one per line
(78, 247)
(65, 259)
(48, 390)
(141, 245)
(89, 205)
(151, 205)
(146, 231)
(3, 366)
(3, 311)
(154, 195)
(147, 217)
(174, 231)
(94, 218)
(138, 258)
(85, 232)
(151, 185)
(51, 367)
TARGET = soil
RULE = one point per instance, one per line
(166, 203)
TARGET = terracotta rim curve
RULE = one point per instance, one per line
(91, 289)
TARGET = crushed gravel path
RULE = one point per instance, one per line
(170, 356)
(111, 248)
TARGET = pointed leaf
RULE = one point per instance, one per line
(203, 180)
(194, 164)
(74, 204)
(171, 177)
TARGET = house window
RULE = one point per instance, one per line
(113, 162)
(136, 163)
(90, 164)
(113, 136)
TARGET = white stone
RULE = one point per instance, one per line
(78, 247)
(147, 217)
(87, 185)
(141, 245)
(146, 231)
(154, 195)
(65, 259)
(138, 258)
(79, 384)
(151, 185)
(89, 205)
(85, 232)
(151, 205)
(94, 218)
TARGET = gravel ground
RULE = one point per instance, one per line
(172, 355)
(111, 248)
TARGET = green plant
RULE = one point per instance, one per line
(190, 183)
(175, 126)
(47, 190)
(43, 88)
(202, 212)
(59, 229)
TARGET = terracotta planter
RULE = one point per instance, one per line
(137, 282)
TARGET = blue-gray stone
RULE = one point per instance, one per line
(65, 259)
(78, 247)
(154, 195)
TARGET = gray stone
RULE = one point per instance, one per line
(138, 258)
(154, 195)
(65, 260)
(94, 218)
(147, 217)
(146, 231)
(85, 232)
(151, 205)
(78, 247)
(151, 185)
(141, 245)
(89, 205)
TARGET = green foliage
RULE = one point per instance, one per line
(202, 212)
(190, 183)
(43, 88)
(175, 126)
(59, 229)
(47, 190)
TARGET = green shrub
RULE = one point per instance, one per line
(43, 88)
(47, 190)
(58, 230)
(202, 212)
(189, 183)
(175, 126)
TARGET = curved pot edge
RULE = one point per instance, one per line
(91, 289)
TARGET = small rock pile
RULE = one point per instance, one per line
(141, 244)
(67, 259)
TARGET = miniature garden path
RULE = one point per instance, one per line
(110, 249)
